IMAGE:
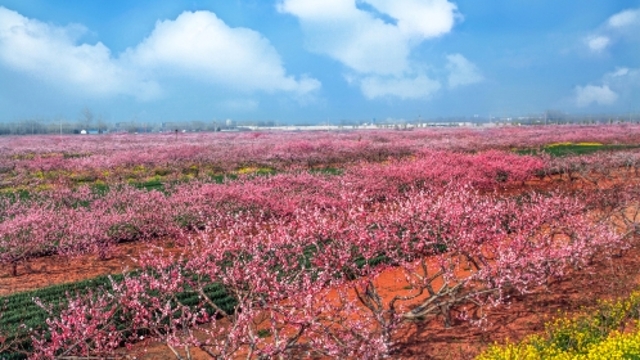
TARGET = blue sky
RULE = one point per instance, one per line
(316, 60)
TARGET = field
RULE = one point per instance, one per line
(432, 243)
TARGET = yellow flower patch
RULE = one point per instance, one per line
(593, 336)
(567, 143)
(589, 144)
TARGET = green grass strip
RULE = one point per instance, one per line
(19, 308)
(561, 150)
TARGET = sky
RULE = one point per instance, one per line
(316, 61)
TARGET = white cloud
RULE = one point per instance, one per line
(462, 71)
(601, 95)
(377, 50)
(201, 46)
(363, 42)
(356, 38)
(51, 53)
(419, 18)
(405, 88)
(619, 86)
(598, 43)
(624, 18)
(620, 26)
(196, 46)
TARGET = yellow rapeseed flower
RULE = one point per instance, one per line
(583, 337)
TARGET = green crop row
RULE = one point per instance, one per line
(570, 149)
(21, 315)
(163, 185)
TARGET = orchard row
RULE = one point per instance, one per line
(49, 161)
(91, 220)
(299, 251)
(304, 287)
(75, 221)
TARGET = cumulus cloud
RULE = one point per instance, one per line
(51, 53)
(623, 84)
(623, 25)
(419, 18)
(196, 46)
(619, 86)
(201, 46)
(378, 51)
(354, 37)
(462, 71)
(601, 95)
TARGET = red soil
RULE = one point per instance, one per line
(420, 340)
(525, 315)
(53, 270)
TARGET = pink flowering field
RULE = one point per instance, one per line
(297, 228)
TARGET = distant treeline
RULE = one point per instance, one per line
(35, 127)
(91, 124)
